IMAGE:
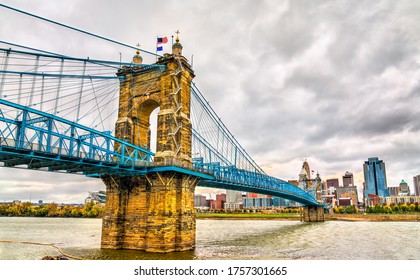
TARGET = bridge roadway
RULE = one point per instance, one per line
(35, 142)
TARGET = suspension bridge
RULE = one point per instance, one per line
(93, 117)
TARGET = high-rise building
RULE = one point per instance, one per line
(233, 196)
(348, 179)
(332, 183)
(375, 177)
(416, 183)
(200, 200)
(349, 192)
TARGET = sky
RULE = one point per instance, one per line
(330, 82)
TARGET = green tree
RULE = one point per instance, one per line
(351, 209)
(377, 209)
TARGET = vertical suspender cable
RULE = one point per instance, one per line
(97, 105)
(80, 92)
(33, 81)
(19, 94)
(3, 77)
(58, 88)
(42, 92)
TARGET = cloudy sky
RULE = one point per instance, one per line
(333, 82)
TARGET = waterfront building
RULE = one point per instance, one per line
(407, 199)
(348, 179)
(222, 198)
(349, 192)
(372, 200)
(234, 205)
(404, 188)
(416, 183)
(280, 202)
(259, 202)
(375, 178)
(252, 195)
(200, 200)
(218, 203)
(394, 190)
(332, 184)
(233, 196)
(330, 200)
(345, 201)
(214, 204)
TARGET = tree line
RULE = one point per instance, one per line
(392, 208)
(27, 209)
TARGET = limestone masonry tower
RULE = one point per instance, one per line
(154, 212)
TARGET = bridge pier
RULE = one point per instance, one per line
(153, 213)
(313, 213)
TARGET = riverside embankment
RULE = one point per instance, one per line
(296, 217)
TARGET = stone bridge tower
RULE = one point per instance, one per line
(154, 212)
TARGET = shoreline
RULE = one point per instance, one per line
(285, 217)
(328, 217)
(373, 217)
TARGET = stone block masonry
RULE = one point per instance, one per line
(313, 213)
(154, 213)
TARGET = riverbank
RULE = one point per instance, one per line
(296, 217)
(249, 216)
(374, 217)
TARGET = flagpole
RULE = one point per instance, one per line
(156, 46)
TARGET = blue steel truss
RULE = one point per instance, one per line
(232, 178)
(41, 140)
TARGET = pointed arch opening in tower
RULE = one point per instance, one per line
(153, 119)
(147, 113)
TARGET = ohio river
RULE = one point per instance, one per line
(224, 239)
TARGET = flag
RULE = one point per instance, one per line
(162, 40)
(159, 48)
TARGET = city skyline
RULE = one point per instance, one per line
(333, 83)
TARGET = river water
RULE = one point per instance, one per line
(224, 239)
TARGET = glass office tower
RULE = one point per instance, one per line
(375, 177)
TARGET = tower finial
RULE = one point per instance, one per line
(177, 47)
(137, 59)
(177, 35)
